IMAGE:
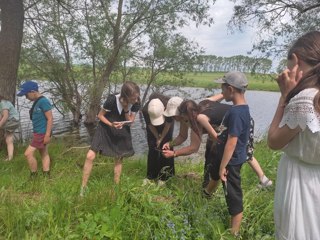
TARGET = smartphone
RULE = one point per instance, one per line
(125, 122)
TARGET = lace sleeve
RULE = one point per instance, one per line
(300, 112)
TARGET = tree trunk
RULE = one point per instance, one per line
(11, 32)
(12, 17)
(94, 103)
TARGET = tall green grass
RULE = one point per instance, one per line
(52, 209)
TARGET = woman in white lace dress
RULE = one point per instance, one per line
(296, 130)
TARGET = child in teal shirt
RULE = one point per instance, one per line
(9, 122)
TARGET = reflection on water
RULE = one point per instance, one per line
(262, 106)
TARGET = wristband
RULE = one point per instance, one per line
(174, 154)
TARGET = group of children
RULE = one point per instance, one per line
(295, 129)
(229, 129)
(229, 144)
(42, 119)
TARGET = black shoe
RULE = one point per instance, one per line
(33, 175)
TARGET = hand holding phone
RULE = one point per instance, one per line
(124, 122)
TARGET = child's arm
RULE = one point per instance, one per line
(5, 116)
(49, 118)
(183, 135)
(204, 121)
(280, 137)
(227, 154)
(103, 119)
(130, 116)
(195, 142)
(216, 98)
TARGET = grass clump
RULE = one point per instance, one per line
(45, 208)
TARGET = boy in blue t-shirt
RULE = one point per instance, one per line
(232, 146)
(41, 116)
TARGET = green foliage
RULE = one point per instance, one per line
(284, 19)
(52, 209)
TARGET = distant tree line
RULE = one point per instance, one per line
(212, 63)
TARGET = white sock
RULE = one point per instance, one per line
(264, 179)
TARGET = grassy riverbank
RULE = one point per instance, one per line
(263, 82)
(52, 209)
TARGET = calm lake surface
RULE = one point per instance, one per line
(262, 107)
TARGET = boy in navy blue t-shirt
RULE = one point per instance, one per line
(232, 146)
(42, 120)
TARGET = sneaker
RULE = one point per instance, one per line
(265, 184)
(161, 183)
(146, 182)
(33, 175)
(206, 195)
(46, 174)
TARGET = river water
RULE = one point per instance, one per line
(262, 107)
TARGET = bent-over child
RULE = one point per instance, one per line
(9, 122)
(112, 137)
(159, 131)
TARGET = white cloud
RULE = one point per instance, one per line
(217, 39)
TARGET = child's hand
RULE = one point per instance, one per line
(223, 174)
(117, 125)
(288, 79)
(166, 146)
(46, 139)
(167, 153)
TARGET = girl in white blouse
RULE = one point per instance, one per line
(295, 130)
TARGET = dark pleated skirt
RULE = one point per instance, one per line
(112, 142)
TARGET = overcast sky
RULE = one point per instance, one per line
(217, 39)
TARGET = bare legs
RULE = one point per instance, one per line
(32, 161)
(10, 146)
(117, 170)
(236, 223)
(254, 164)
(212, 186)
(87, 168)
(236, 219)
(264, 181)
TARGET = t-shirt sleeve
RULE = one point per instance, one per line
(6, 105)
(109, 103)
(300, 112)
(45, 104)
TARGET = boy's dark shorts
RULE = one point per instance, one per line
(233, 192)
